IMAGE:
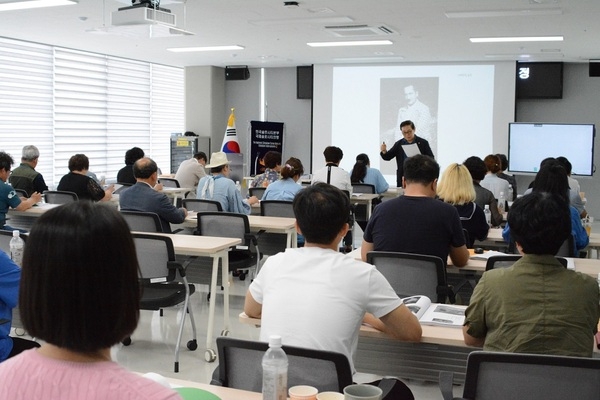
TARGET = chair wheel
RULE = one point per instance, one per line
(242, 276)
(126, 341)
(192, 345)
(210, 355)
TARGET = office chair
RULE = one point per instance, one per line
(509, 259)
(414, 274)
(199, 205)
(156, 257)
(169, 182)
(240, 366)
(59, 197)
(360, 210)
(22, 193)
(232, 225)
(121, 186)
(495, 376)
(257, 191)
(142, 221)
(273, 243)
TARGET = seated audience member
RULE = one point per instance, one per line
(25, 177)
(573, 184)
(191, 171)
(456, 188)
(287, 187)
(537, 305)
(477, 169)
(332, 173)
(512, 181)
(552, 178)
(80, 299)
(125, 174)
(574, 197)
(10, 276)
(417, 222)
(272, 161)
(363, 173)
(78, 182)
(328, 291)
(491, 181)
(143, 197)
(219, 187)
(8, 196)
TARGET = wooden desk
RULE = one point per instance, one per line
(392, 193)
(441, 349)
(282, 225)
(216, 248)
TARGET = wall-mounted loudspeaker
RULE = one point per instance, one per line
(594, 67)
(304, 82)
(237, 73)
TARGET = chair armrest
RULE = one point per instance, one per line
(445, 384)
(175, 266)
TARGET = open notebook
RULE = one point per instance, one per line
(430, 313)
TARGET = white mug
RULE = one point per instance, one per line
(362, 392)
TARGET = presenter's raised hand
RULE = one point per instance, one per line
(383, 148)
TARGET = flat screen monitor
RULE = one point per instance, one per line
(539, 80)
(530, 143)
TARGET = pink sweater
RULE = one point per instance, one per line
(31, 376)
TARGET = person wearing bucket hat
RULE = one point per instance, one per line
(217, 186)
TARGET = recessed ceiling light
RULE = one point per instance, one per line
(205, 48)
(517, 39)
(351, 43)
(22, 5)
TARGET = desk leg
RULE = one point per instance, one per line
(369, 206)
(225, 282)
(210, 355)
(292, 239)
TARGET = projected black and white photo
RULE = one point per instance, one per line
(402, 99)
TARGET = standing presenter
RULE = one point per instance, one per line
(404, 148)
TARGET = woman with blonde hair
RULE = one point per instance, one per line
(456, 188)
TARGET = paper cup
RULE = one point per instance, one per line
(330, 396)
(362, 392)
(303, 392)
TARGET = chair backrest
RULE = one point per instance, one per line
(567, 249)
(413, 274)
(121, 186)
(21, 193)
(169, 182)
(509, 259)
(492, 376)
(5, 237)
(257, 191)
(240, 366)
(200, 205)
(223, 224)
(277, 208)
(154, 254)
(59, 197)
(363, 188)
(142, 221)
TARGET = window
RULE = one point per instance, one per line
(68, 101)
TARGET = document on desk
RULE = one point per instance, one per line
(487, 254)
(430, 313)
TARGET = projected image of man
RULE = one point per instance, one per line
(416, 111)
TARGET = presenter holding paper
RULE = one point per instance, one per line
(404, 148)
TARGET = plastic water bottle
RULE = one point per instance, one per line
(275, 368)
(501, 203)
(238, 186)
(16, 248)
(488, 214)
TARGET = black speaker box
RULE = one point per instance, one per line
(237, 73)
(594, 67)
(304, 82)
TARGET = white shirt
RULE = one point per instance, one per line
(339, 178)
(317, 298)
(495, 185)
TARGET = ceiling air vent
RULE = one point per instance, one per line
(359, 30)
